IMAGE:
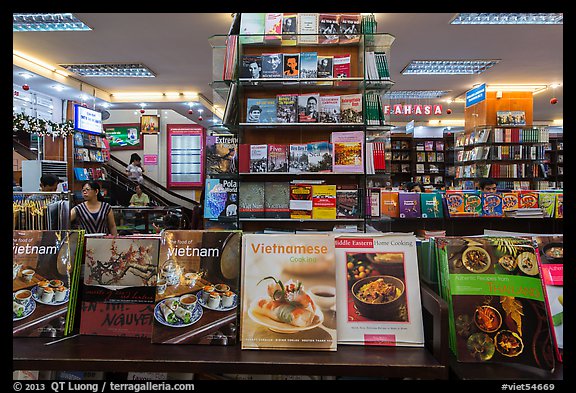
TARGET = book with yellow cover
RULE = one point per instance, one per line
(324, 202)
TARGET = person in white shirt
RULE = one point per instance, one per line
(135, 170)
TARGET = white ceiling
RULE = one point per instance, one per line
(175, 46)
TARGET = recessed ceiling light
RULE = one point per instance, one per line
(503, 18)
(47, 22)
(26, 75)
(414, 94)
(58, 87)
(110, 70)
(448, 67)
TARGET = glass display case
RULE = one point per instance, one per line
(140, 219)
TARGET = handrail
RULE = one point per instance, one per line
(23, 150)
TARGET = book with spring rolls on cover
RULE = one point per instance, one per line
(288, 292)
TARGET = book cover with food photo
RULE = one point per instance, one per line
(378, 290)
(45, 278)
(496, 302)
(197, 292)
(288, 292)
(118, 288)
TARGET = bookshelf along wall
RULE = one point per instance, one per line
(90, 152)
(298, 171)
(429, 161)
(554, 162)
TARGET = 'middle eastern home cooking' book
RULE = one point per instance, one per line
(198, 289)
(378, 290)
(118, 287)
(45, 278)
(288, 292)
(496, 303)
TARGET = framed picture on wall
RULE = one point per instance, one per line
(511, 118)
(185, 156)
(150, 124)
(124, 136)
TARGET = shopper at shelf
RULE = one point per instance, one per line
(48, 183)
(413, 187)
(93, 215)
(139, 198)
(134, 170)
(487, 185)
(254, 114)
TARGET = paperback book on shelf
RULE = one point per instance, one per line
(329, 109)
(291, 67)
(347, 201)
(325, 66)
(198, 295)
(308, 107)
(221, 154)
(221, 198)
(431, 205)
(261, 110)
(273, 26)
(323, 202)
(308, 64)
(378, 290)
(251, 199)
(341, 66)
(298, 157)
(328, 28)
(289, 29)
(350, 28)
(251, 66)
(301, 201)
(258, 158)
(351, 108)
(307, 28)
(45, 280)
(409, 204)
(288, 292)
(272, 65)
(277, 199)
(277, 158)
(348, 151)
(286, 108)
(389, 204)
(252, 27)
(119, 286)
(319, 156)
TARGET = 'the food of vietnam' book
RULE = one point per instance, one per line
(288, 292)
(378, 290)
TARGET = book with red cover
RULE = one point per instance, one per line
(244, 158)
(341, 66)
(277, 158)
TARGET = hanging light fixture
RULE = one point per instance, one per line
(200, 115)
(142, 108)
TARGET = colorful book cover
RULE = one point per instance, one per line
(325, 66)
(348, 151)
(221, 198)
(559, 206)
(273, 26)
(350, 28)
(277, 158)
(551, 263)
(308, 64)
(389, 204)
(496, 304)
(473, 203)
(45, 280)
(298, 158)
(78, 139)
(251, 199)
(261, 110)
(378, 290)
(251, 67)
(409, 204)
(329, 109)
(258, 158)
(492, 204)
(319, 156)
(546, 201)
(431, 205)
(323, 202)
(307, 28)
(286, 108)
(429, 145)
(199, 291)
(118, 290)
(509, 201)
(221, 154)
(308, 107)
(291, 63)
(454, 202)
(288, 292)
(341, 66)
(252, 27)
(528, 199)
(347, 201)
(277, 200)
(289, 29)
(351, 108)
(272, 65)
(328, 28)
(301, 201)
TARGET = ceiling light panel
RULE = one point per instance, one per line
(414, 94)
(110, 70)
(47, 22)
(508, 19)
(448, 67)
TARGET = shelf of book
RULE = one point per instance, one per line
(302, 220)
(303, 125)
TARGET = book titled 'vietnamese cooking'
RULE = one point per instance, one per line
(288, 292)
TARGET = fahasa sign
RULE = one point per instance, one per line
(409, 110)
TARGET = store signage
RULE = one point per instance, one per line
(124, 136)
(410, 127)
(409, 109)
(87, 120)
(150, 159)
(476, 95)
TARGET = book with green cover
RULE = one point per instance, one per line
(431, 205)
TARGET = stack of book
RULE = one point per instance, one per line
(529, 212)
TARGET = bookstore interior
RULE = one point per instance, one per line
(293, 193)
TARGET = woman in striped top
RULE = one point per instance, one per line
(93, 215)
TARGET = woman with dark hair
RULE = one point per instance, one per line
(135, 170)
(93, 215)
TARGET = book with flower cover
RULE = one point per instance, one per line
(378, 290)
(221, 198)
(45, 282)
(198, 296)
(348, 151)
(496, 303)
(288, 292)
(119, 286)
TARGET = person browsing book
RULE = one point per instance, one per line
(487, 185)
(254, 114)
(139, 198)
(93, 215)
(413, 187)
(134, 170)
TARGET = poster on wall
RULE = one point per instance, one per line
(124, 136)
(149, 124)
(511, 118)
(185, 156)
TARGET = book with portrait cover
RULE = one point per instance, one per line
(277, 158)
(308, 107)
(319, 156)
(119, 286)
(308, 64)
(378, 290)
(288, 292)
(277, 199)
(251, 197)
(325, 66)
(289, 29)
(246, 64)
(286, 108)
(351, 108)
(298, 158)
(221, 198)
(329, 109)
(267, 108)
(350, 28)
(291, 63)
(221, 154)
(272, 65)
(45, 282)
(348, 151)
(307, 28)
(496, 302)
(328, 28)
(198, 297)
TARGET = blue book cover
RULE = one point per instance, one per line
(261, 110)
(319, 156)
(309, 65)
(221, 198)
(272, 65)
(78, 139)
(491, 204)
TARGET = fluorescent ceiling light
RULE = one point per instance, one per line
(47, 22)
(504, 18)
(414, 94)
(529, 88)
(448, 67)
(110, 70)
